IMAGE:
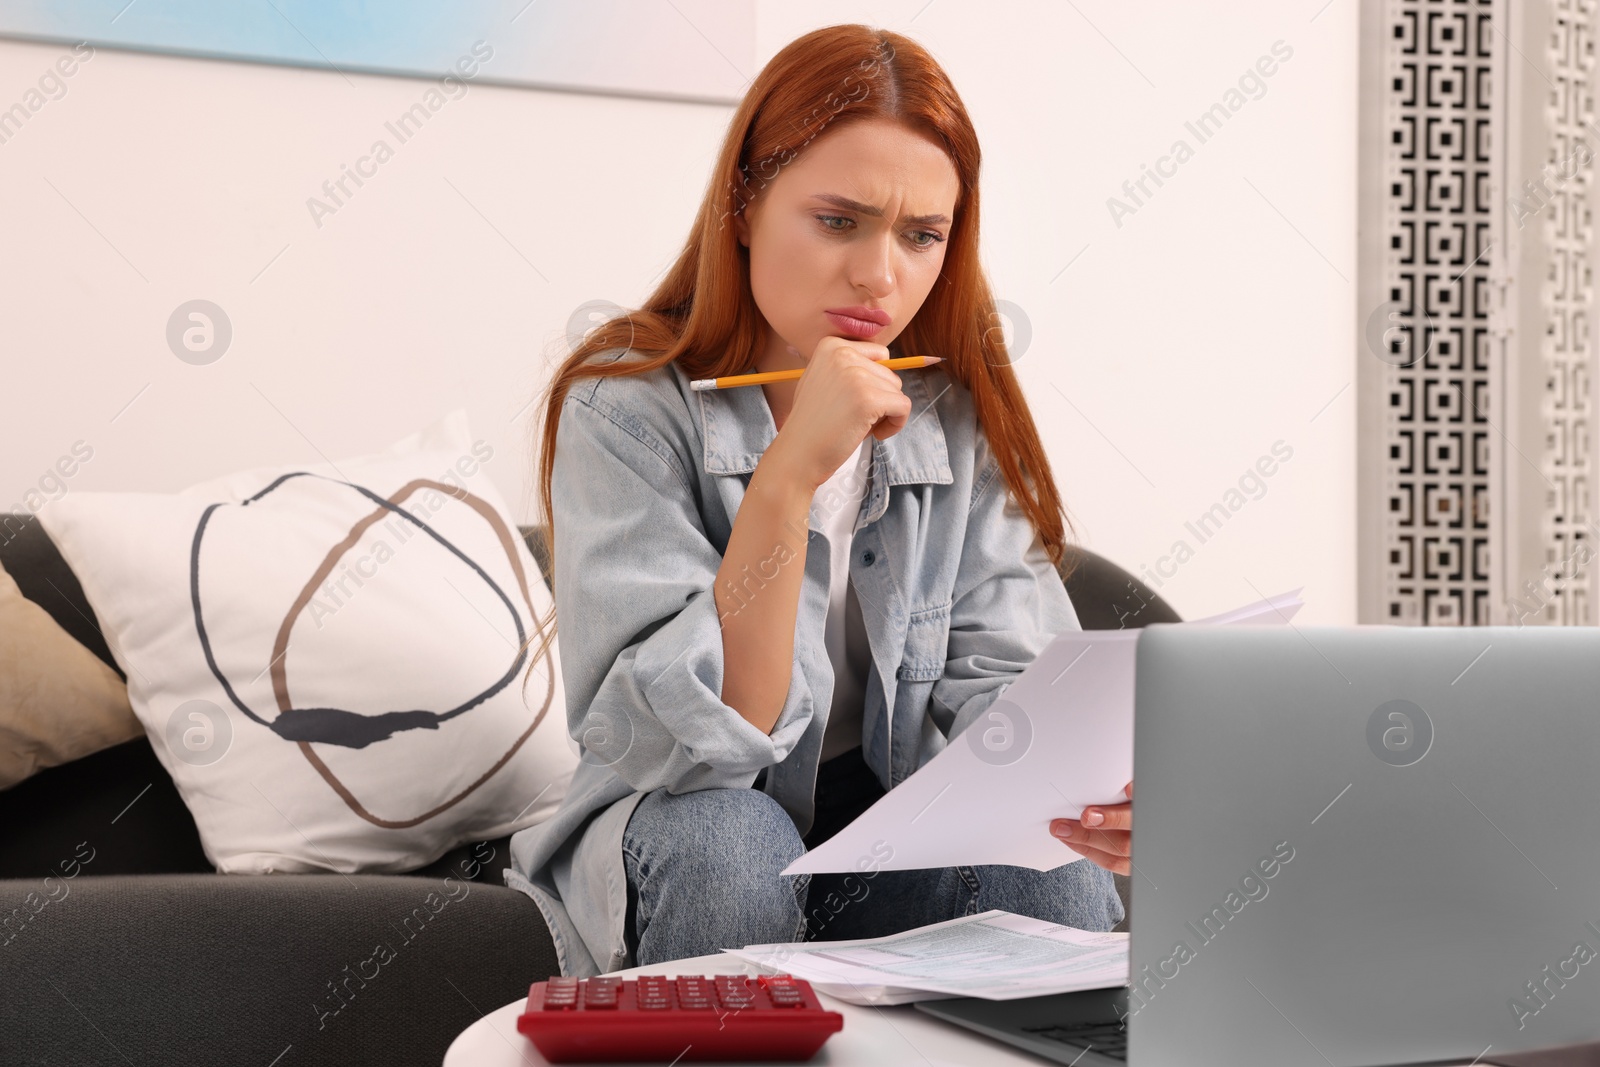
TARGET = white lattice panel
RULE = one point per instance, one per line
(1477, 364)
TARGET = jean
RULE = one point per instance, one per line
(702, 870)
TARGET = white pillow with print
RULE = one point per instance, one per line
(325, 657)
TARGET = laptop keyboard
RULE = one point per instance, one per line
(1108, 1039)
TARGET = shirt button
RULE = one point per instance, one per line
(867, 558)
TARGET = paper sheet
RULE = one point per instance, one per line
(1057, 740)
(995, 955)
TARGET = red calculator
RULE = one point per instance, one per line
(688, 1017)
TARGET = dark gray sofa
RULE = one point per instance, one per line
(120, 944)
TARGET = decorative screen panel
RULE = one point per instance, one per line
(1476, 364)
(1560, 198)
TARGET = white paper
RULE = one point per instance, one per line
(1059, 739)
(995, 955)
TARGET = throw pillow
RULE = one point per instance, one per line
(58, 701)
(328, 658)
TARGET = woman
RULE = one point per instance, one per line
(777, 602)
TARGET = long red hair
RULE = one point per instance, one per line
(704, 316)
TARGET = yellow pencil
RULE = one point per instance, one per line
(763, 377)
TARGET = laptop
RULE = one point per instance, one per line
(1359, 845)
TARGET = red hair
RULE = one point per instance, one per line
(704, 316)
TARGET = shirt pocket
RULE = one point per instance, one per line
(927, 644)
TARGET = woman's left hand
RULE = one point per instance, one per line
(1104, 834)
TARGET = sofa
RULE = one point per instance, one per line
(120, 944)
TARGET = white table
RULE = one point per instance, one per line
(874, 1036)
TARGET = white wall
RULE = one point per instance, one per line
(1173, 352)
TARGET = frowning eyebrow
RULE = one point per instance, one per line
(877, 213)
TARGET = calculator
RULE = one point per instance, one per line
(677, 1019)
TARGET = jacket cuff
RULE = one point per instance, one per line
(679, 669)
(973, 709)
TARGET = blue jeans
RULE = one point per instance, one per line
(703, 867)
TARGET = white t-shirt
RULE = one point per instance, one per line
(835, 510)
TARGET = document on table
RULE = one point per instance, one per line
(1059, 738)
(995, 955)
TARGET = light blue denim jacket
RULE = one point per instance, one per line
(956, 590)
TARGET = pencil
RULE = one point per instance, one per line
(763, 377)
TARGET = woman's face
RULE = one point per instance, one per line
(858, 220)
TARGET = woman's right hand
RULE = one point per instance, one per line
(842, 396)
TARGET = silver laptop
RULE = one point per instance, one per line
(1363, 845)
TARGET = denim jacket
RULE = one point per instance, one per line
(957, 593)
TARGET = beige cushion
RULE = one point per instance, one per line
(58, 700)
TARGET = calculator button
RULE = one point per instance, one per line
(735, 992)
(694, 993)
